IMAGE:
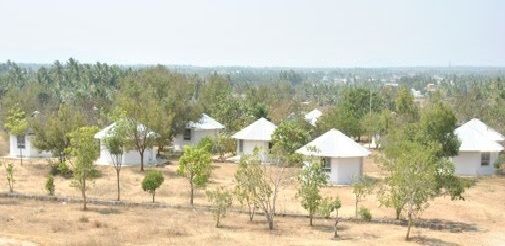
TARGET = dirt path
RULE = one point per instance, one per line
(16, 242)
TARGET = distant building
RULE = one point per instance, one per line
(431, 87)
(130, 155)
(312, 116)
(256, 135)
(479, 149)
(22, 146)
(195, 131)
(342, 157)
(391, 85)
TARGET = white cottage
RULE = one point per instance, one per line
(194, 132)
(478, 150)
(342, 156)
(313, 116)
(257, 135)
(130, 156)
(22, 146)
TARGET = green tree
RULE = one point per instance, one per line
(354, 104)
(392, 196)
(342, 119)
(378, 123)
(195, 166)
(221, 200)
(206, 143)
(116, 141)
(248, 178)
(405, 106)
(223, 144)
(9, 169)
(141, 111)
(174, 93)
(437, 123)
(311, 179)
(17, 124)
(329, 206)
(291, 135)
(216, 99)
(415, 174)
(152, 181)
(52, 134)
(273, 179)
(84, 151)
(361, 187)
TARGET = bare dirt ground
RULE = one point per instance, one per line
(65, 224)
(56, 223)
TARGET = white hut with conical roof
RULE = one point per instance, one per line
(130, 155)
(342, 157)
(479, 149)
(256, 135)
(206, 126)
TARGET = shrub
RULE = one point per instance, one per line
(206, 143)
(499, 161)
(221, 200)
(152, 181)
(83, 219)
(50, 185)
(9, 168)
(364, 214)
(60, 168)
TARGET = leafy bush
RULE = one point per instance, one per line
(60, 168)
(152, 181)
(206, 143)
(328, 206)
(364, 214)
(9, 169)
(84, 219)
(221, 200)
(50, 185)
(499, 161)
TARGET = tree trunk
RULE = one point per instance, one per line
(356, 208)
(336, 223)
(217, 221)
(252, 210)
(310, 218)
(409, 225)
(154, 193)
(398, 213)
(118, 187)
(270, 224)
(83, 190)
(192, 193)
(21, 156)
(141, 160)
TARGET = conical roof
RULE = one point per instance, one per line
(105, 132)
(333, 144)
(207, 123)
(262, 129)
(481, 127)
(472, 140)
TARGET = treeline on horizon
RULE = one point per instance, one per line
(236, 97)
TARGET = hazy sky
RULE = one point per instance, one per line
(256, 33)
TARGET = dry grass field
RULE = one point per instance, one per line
(50, 223)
